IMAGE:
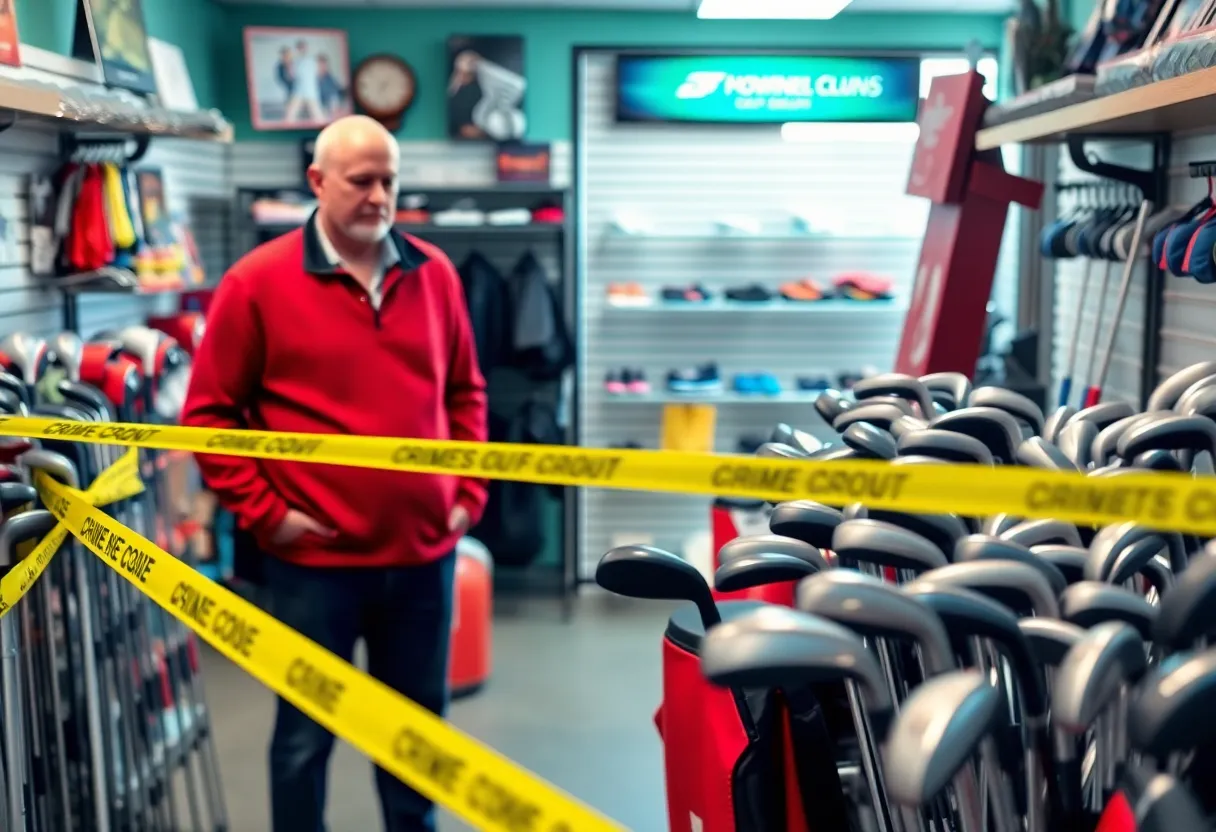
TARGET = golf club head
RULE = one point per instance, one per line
(653, 573)
(777, 647)
(800, 440)
(1042, 531)
(831, 403)
(980, 547)
(807, 521)
(775, 450)
(1159, 460)
(1056, 421)
(1199, 399)
(1161, 801)
(1015, 404)
(1037, 452)
(938, 731)
(1069, 560)
(751, 571)
(1090, 603)
(19, 528)
(1158, 575)
(1167, 393)
(53, 464)
(12, 384)
(68, 349)
(1049, 639)
(885, 544)
(1016, 584)
(1191, 613)
(14, 495)
(1172, 711)
(948, 389)
(1168, 433)
(998, 524)
(1076, 441)
(1103, 415)
(1106, 659)
(942, 530)
(28, 356)
(834, 452)
(11, 404)
(1106, 445)
(899, 385)
(85, 397)
(868, 441)
(1111, 541)
(907, 424)
(874, 608)
(762, 545)
(945, 445)
(968, 614)
(999, 431)
(878, 414)
(1132, 560)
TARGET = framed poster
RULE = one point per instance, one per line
(113, 32)
(10, 44)
(298, 79)
(486, 86)
(736, 88)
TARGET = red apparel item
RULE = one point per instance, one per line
(293, 345)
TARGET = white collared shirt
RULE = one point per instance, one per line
(388, 258)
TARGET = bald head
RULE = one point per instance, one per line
(354, 175)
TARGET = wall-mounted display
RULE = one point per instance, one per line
(766, 88)
(486, 86)
(297, 78)
(523, 162)
(384, 88)
(112, 33)
(10, 43)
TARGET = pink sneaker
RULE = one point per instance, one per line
(614, 383)
(635, 381)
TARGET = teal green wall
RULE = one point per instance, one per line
(190, 24)
(420, 37)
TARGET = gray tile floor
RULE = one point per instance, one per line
(573, 702)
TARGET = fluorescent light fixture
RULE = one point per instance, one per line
(770, 9)
(847, 132)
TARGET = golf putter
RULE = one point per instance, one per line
(897, 385)
(1093, 395)
(1015, 404)
(950, 390)
(981, 547)
(945, 445)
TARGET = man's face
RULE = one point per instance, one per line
(357, 192)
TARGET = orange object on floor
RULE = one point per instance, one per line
(471, 655)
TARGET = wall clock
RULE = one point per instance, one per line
(384, 87)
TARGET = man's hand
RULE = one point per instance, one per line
(294, 525)
(458, 519)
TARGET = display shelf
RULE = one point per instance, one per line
(773, 306)
(725, 397)
(1182, 103)
(767, 237)
(533, 229)
(52, 106)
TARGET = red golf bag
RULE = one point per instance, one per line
(730, 519)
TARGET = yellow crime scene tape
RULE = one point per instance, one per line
(1161, 500)
(472, 781)
(118, 482)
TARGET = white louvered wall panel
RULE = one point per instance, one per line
(1123, 378)
(680, 178)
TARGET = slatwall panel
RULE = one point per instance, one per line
(680, 178)
(194, 171)
(1123, 378)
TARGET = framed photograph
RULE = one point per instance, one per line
(486, 86)
(113, 30)
(298, 79)
(10, 44)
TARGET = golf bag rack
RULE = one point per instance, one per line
(1153, 185)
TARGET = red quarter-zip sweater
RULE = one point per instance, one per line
(292, 344)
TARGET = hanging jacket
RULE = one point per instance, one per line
(485, 293)
(541, 346)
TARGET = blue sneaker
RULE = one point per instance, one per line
(746, 384)
(703, 379)
(767, 384)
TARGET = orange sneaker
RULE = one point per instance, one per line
(802, 290)
(627, 294)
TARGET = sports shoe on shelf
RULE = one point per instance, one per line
(627, 445)
(752, 293)
(862, 286)
(802, 291)
(757, 384)
(548, 212)
(813, 384)
(627, 294)
(685, 294)
(614, 383)
(635, 381)
(412, 210)
(702, 379)
(509, 216)
(463, 212)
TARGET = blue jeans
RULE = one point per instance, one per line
(404, 615)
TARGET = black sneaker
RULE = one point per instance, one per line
(684, 294)
(703, 379)
(755, 293)
(814, 384)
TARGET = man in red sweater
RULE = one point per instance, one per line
(346, 326)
